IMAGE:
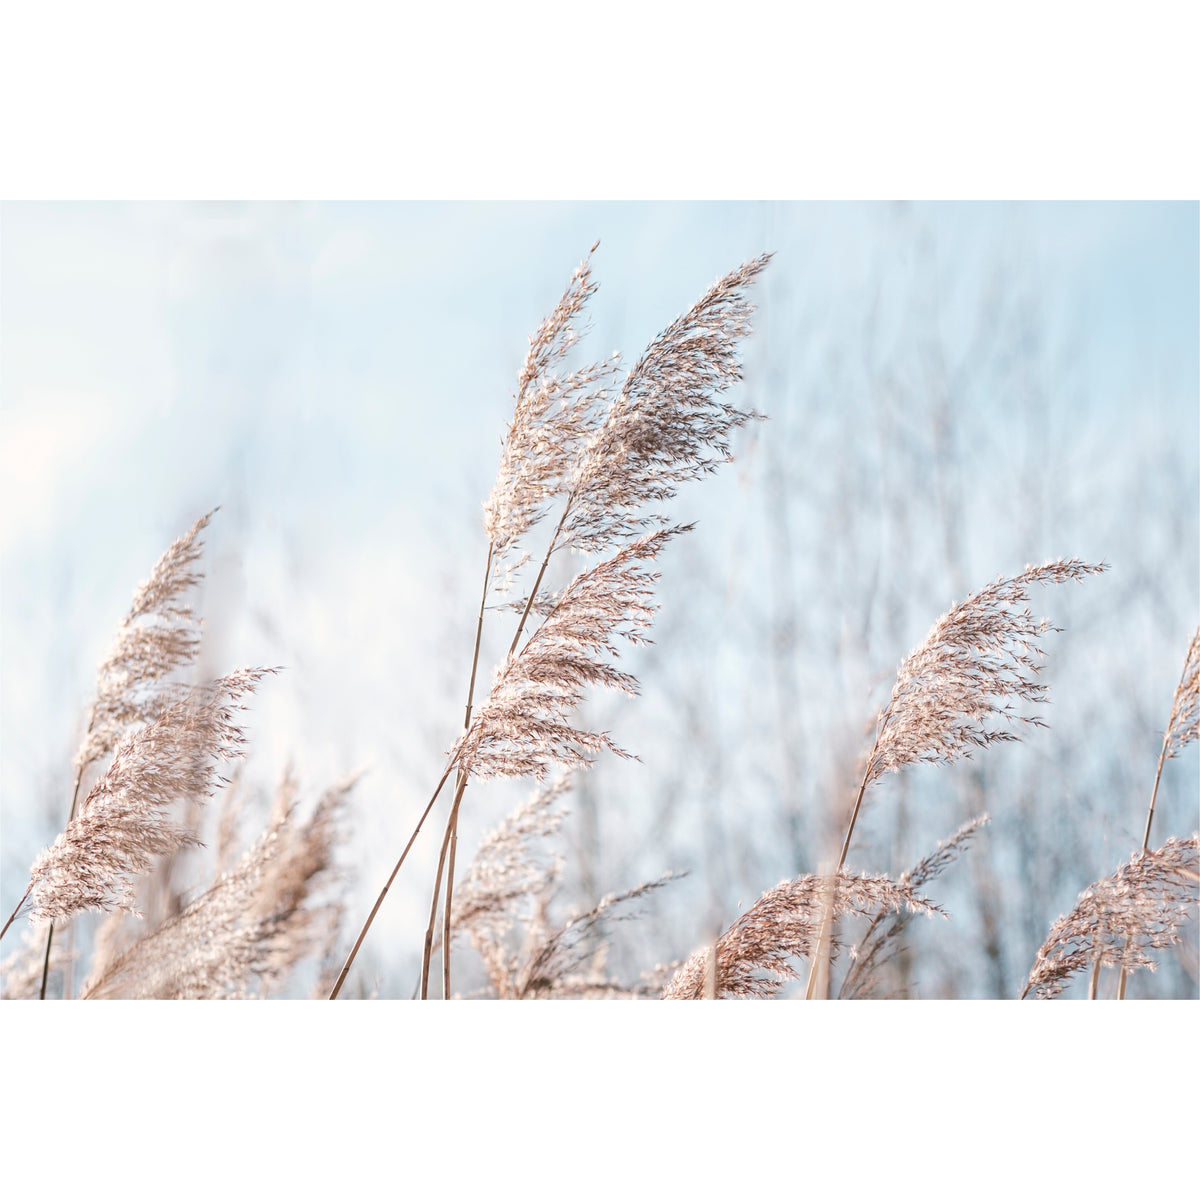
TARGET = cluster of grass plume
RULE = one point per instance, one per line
(591, 462)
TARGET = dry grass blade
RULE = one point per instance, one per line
(126, 822)
(1119, 920)
(876, 946)
(755, 955)
(251, 927)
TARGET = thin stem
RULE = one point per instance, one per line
(437, 884)
(337, 987)
(70, 818)
(450, 838)
(537, 583)
(446, 923)
(862, 788)
(452, 824)
(818, 975)
(16, 910)
(487, 574)
(853, 819)
(46, 963)
(1162, 758)
(1095, 979)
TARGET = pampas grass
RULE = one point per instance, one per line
(954, 693)
(167, 742)
(876, 946)
(250, 928)
(126, 822)
(755, 955)
(591, 461)
(605, 458)
(1119, 920)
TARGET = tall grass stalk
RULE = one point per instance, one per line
(605, 454)
(1183, 726)
(952, 692)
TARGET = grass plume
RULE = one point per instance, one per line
(126, 821)
(876, 946)
(1121, 919)
(601, 459)
(755, 955)
(250, 928)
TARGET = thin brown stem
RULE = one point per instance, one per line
(1162, 758)
(337, 987)
(16, 910)
(1095, 981)
(450, 837)
(487, 574)
(427, 954)
(446, 922)
(862, 789)
(537, 583)
(70, 818)
(452, 824)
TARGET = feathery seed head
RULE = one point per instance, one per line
(953, 692)
(1121, 918)
(125, 823)
(754, 956)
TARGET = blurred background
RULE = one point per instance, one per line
(951, 392)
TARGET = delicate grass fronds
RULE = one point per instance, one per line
(510, 883)
(1119, 920)
(604, 460)
(754, 956)
(524, 726)
(569, 961)
(508, 873)
(1184, 723)
(250, 928)
(1183, 726)
(878, 944)
(667, 425)
(160, 634)
(22, 971)
(953, 693)
(553, 414)
(126, 823)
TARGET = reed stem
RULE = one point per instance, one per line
(862, 789)
(70, 818)
(450, 838)
(16, 910)
(337, 987)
